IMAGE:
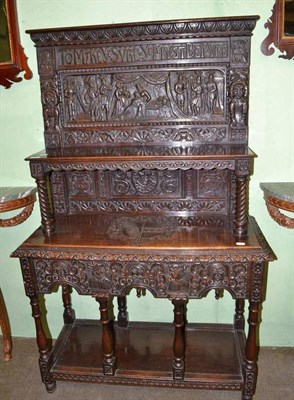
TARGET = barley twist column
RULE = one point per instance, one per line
(243, 169)
(37, 172)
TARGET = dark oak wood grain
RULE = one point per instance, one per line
(144, 185)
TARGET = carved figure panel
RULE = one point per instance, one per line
(196, 94)
(50, 101)
(162, 279)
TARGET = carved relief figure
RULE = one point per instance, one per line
(180, 88)
(238, 105)
(197, 101)
(195, 94)
(90, 98)
(70, 97)
(122, 96)
(212, 95)
(137, 108)
(50, 101)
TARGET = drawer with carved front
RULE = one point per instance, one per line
(190, 280)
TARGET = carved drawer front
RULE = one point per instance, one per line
(193, 280)
(178, 192)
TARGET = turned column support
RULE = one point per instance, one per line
(242, 171)
(123, 316)
(109, 360)
(43, 345)
(251, 351)
(239, 321)
(179, 345)
(69, 312)
(47, 218)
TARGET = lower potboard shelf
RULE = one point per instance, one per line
(144, 351)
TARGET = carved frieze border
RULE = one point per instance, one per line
(161, 279)
(186, 206)
(234, 256)
(137, 166)
(146, 382)
(147, 31)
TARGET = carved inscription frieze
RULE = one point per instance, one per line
(162, 279)
(196, 94)
(202, 134)
(201, 49)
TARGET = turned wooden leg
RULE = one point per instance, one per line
(5, 327)
(179, 345)
(109, 360)
(239, 321)
(250, 363)
(123, 316)
(69, 313)
(45, 360)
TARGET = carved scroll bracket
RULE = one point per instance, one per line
(276, 36)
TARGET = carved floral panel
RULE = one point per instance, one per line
(161, 279)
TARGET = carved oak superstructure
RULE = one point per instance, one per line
(144, 184)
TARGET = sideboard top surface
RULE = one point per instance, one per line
(117, 236)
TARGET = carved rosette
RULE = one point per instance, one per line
(161, 279)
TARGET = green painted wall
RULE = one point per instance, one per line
(271, 137)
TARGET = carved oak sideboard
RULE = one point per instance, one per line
(144, 185)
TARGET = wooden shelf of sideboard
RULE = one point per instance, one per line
(214, 355)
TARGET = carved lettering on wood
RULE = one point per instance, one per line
(142, 53)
